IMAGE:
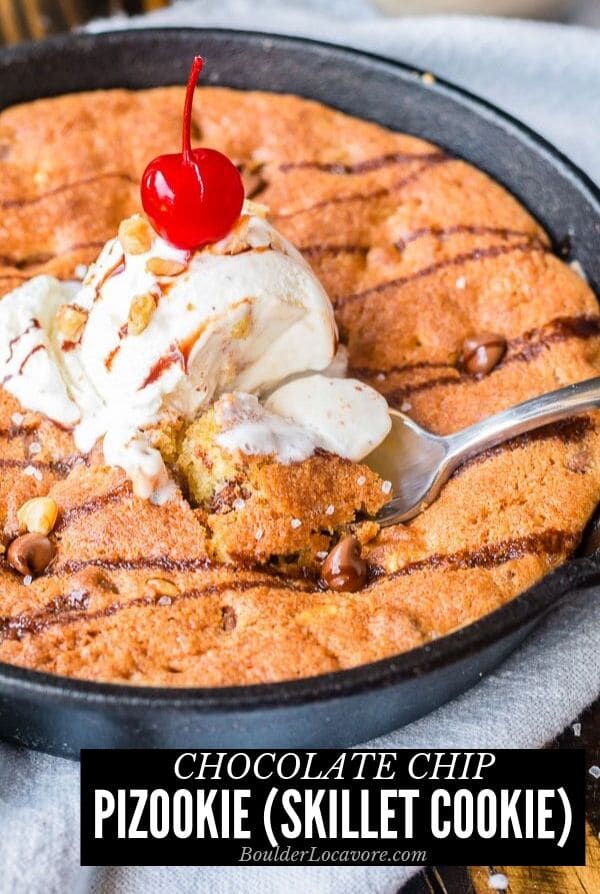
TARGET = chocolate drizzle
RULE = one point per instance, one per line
(33, 324)
(522, 349)
(380, 192)
(61, 467)
(478, 254)
(363, 167)
(64, 610)
(66, 187)
(88, 507)
(41, 260)
(552, 542)
(312, 251)
(462, 229)
(572, 430)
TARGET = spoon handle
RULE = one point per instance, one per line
(523, 418)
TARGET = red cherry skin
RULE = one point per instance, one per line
(195, 200)
(193, 197)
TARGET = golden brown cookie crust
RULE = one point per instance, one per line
(417, 251)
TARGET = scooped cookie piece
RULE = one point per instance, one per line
(258, 509)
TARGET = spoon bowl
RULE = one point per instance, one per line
(414, 460)
(418, 463)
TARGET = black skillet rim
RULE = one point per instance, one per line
(526, 608)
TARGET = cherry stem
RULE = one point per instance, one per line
(186, 139)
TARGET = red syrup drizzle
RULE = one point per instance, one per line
(173, 356)
(192, 197)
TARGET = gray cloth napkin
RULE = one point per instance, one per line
(550, 77)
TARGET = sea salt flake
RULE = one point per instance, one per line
(259, 534)
(80, 271)
(498, 881)
(361, 480)
(33, 472)
(239, 504)
(386, 487)
(595, 771)
(17, 419)
(330, 509)
(461, 282)
(578, 269)
(35, 448)
(27, 580)
(164, 600)
(295, 523)
(380, 377)
(322, 554)
(405, 406)
(576, 729)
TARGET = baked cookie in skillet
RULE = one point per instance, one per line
(418, 251)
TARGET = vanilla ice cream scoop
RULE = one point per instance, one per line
(155, 334)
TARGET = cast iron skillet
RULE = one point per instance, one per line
(60, 715)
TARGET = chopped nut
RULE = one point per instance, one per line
(164, 267)
(256, 209)
(70, 321)
(241, 329)
(140, 313)
(135, 235)
(38, 515)
(162, 587)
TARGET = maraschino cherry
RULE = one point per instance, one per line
(193, 197)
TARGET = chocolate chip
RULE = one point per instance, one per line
(228, 618)
(344, 569)
(480, 353)
(30, 554)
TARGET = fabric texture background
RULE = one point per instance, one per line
(548, 76)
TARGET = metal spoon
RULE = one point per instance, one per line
(418, 463)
